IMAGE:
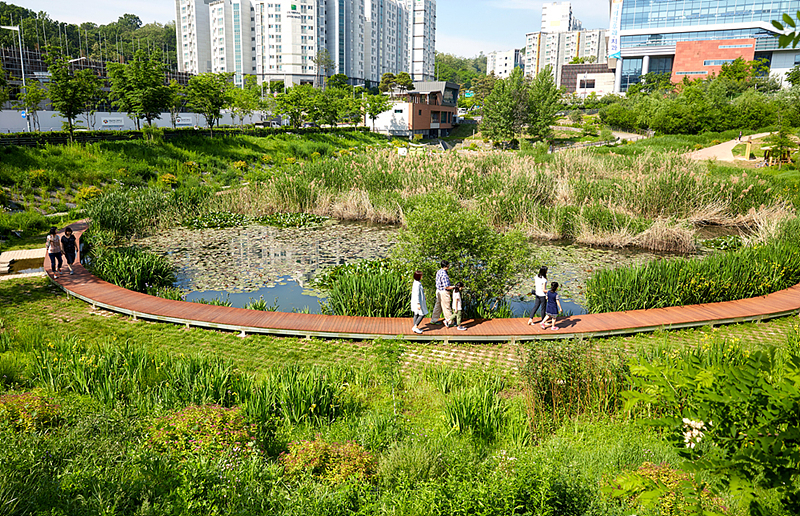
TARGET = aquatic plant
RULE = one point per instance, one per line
(478, 411)
(383, 294)
(261, 304)
(132, 268)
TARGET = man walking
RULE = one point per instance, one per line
(443, 301)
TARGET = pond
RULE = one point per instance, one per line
(245, 263)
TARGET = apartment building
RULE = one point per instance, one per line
(693, 38)
(279, 40)
(501, 64)
(558, 17)
(559, 48)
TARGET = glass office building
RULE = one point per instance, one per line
(653, 32)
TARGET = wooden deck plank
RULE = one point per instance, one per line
(99, 292)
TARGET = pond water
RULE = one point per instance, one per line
(27, 266)
(245, 263)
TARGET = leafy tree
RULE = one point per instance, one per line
(30, 101)
(338, 80)
(70, 92)
(793, 75)
(652, 82)
(486, 261)
(176, 100)
(544, 103)
(374, 105)
(461, 70)
(404, 82)
(298, 103)
(482, 86)
(336, 104)
(388, 82)
(324, 63)
(3, 87)
(245, 101)
(781, 143)
(583, 60)
(506, 109)
(207, 94)
(139, 87)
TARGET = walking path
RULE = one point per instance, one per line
(99, 293)
(723, 151)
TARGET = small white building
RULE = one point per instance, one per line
(503, 63)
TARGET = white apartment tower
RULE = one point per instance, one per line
(557, 17)
(278, 40)
(501, 64)
(423, 39)
(559, 48)
(232, 38)
(192, 33)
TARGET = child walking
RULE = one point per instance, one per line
(553, 307)
(457, 306)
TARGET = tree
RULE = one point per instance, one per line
(30, 101)
(334, 105)
(297, 103)
(139, 88)
(338, 81)
(583, 60)
(245, 101)
(543, 104)
(176, 100)
(207, 94)
(482, 86)
(3, 87)
(388, 82)
(793, 75)
(652, 82)
(324, 63)
(374, 105)
(70, 92)
(404, 82)
(505, 110)
(486, 261)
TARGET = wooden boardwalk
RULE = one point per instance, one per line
(99, 293)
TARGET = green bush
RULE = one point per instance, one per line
(27, 412)
(203, 430)
(132, 268)
(329, 462)
(383, 294)
(27, 223)
(133, 211)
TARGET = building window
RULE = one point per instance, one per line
(716, 62)
(587, 84)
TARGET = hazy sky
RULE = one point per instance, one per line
(464, 27)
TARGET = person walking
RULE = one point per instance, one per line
(443, 289)
(553, 307)
(68, 246)
(54, 251)
(457, 306)
(540, 291)
(418, 305)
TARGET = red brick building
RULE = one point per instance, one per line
(701, 59)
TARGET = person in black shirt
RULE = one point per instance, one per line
(68, 247)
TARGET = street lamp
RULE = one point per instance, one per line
(21, 63)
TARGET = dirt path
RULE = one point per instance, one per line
(723, 151)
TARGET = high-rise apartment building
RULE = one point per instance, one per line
(558, 17)
(280, 40)
(501, 64)
(559, 48)
(423, 39)
(192, 34)
(693, 38)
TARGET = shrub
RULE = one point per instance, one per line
(329, 462)
(307, 394)
(132, 268)
(204, 430)
(130, 211)
(168, 180)
(383, 294)
(27, 412)
(239, 165)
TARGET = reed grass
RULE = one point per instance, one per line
(741, 274)
(132, 268)
(376, 294)
(477, 411)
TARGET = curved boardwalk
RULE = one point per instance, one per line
(97, 292)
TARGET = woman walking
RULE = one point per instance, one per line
(418, 305)
(540, 291)
(54, 251)
(68, 247)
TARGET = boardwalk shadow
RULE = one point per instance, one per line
(570, 322)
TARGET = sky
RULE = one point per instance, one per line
(464, 27)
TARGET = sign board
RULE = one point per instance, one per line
(469, 93)
(24, 114)
(112, 122)
(184, 120)
(614, 50)
(402, 151)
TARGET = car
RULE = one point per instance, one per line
(309, 124)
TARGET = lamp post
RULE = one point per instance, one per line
(21, 63)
